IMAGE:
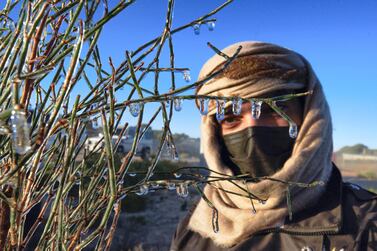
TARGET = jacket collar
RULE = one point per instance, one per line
(326, 214)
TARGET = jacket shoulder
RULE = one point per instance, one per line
(358, 192)
(359, 200)
(361, 206)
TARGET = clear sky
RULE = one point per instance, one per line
(338, 37)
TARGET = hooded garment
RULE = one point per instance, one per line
(259, 69)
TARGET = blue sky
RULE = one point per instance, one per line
(339, 38)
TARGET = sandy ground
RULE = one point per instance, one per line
(153, 228)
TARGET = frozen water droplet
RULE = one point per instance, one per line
(203, 106)
(178, 104)
(292, 130)
(211, 25)
(253, 211)
(95, 124)
(132, 174)
(186, 75)
(168, 140)
(3, 128)
(171, 186)
(174, 153)
(256, 109)
(220, 109)
(122, 196)
(182, 190)
(10, 25)
(167, 102)
(177, 175)
(196, 28)
(236, 106)
(144, 189)
(155, 185)
(215, 220)
(134, 109)
(20, 132)
(262, 202)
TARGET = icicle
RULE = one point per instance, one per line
(171, 147)
(155, 185)
(167, 102)
(20, 132)
(256, 109)
(196, 28)
(215, 220)
(134, 109)
(178, 104)
(3, 129)
(144, 189)
(10, 25)
(95, 124)
(237, 106)
(150, 175)
(211, 25)
(186, 75)
(182, 190)
(292, 130)
(122, 196)
(220, 109)
(203, 106)
(168, 140)
(88, 26)
(174, 153)
(171, 186)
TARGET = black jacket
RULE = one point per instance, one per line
(345, 218)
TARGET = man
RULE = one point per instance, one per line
(290, 195)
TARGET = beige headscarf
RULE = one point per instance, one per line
(259, 69)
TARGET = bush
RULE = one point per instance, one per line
(370, 175)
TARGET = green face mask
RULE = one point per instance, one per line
(259, 151)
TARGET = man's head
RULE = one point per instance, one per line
(259, 147)
(241, 144)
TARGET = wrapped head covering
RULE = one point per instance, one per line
(259, 69)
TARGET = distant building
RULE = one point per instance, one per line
(125, 141)
(362, 157)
